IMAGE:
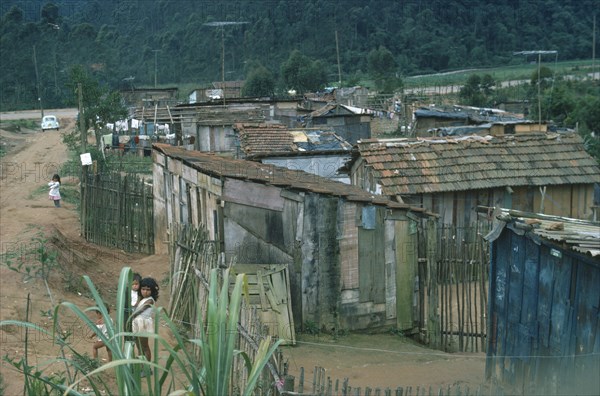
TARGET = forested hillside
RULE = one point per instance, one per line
(174, 42)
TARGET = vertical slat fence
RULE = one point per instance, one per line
(457, 274)
(117, 211)
(192, 258)
(323, 385)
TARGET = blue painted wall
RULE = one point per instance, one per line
(544, 323)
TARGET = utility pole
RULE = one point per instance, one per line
(222, 25)
(594, 49)
(37, 79)
(81, 118)
(539, 84)
(223, 62)
(155, 67)
(539, 79)
(337, 49)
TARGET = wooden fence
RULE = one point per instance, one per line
(323, 385)
(192, 258)
(453, 283)
(116, 211)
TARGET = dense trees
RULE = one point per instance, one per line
(302, 74)
(260, 82)
(478, 91)
(383, 70)
(115, 40)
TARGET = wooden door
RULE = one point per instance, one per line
(269, 291)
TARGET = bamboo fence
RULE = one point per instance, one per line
(454, 301)
(192, 257)
(323, 385)
(117, 211)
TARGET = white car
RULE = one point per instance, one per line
(50, 122)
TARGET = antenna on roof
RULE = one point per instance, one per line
(539, 53)
(222, 24)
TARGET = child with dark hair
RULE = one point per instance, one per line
(54, 193)
(143, 315)
(99, 344)
(135, 288)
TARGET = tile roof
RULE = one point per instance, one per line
(270, 139)
(218, 166)
(578, 235)
(417, 166)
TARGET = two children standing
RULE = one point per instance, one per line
(144, 293)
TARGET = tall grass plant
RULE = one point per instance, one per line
(180, 373)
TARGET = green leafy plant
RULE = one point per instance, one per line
(210, 377)
(217, 341)
(311, 328)
(35, 262)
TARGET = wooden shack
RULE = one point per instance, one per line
(545, 173)
(351, 256)
(544, 305)
(351, 123)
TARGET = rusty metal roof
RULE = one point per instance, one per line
(219, 167)
(418, 166)
(573, 234)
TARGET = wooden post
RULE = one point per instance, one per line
(81, 118)
(433, 322)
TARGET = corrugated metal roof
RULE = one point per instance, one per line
(417, 166)
(475, 114)
(334, 109)
(218, 166)
(577, 235)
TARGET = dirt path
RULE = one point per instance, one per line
(382, 360)
(28, 217)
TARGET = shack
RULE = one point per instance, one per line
(315, 150)
(351, 256)
(351, 123)
(544, 328)
(546, 173)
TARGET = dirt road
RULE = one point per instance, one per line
(25, 213)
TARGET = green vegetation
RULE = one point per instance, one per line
(37, 261)
(500, 73)
(137, 43)
(181, 369)
(17, 125)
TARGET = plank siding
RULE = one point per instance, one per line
(348, 247)
(326, 239)
(406, 268)
(372, 261)
(544, 317)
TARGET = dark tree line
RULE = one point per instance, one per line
(125, 42)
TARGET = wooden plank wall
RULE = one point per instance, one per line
(544, 317)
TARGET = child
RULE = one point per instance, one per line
(54, 193)
(99, 343)
(135, 287)
(143, 316)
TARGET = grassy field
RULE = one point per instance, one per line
(505, 73)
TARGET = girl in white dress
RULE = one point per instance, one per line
(54, 193)
(143, 315)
